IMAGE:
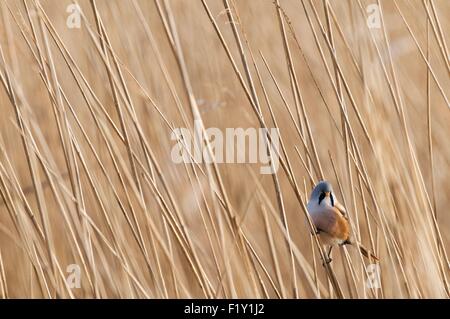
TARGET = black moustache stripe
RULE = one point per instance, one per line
(321, 197)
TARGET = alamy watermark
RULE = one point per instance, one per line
(374, 16)
(235, 145)
(73, 280)
(374, 276)
(74, 18)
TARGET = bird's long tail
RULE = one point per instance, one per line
(366, 253)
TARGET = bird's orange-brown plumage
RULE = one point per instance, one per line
(332, 222)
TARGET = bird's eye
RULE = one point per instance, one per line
(332, 199)
(321, 197)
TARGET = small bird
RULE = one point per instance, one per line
(330, 219)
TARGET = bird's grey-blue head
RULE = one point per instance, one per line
(321, 190)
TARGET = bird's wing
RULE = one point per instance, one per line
(340, 208)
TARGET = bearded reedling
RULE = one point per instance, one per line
(331, 221)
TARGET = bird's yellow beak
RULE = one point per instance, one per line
(327, 194)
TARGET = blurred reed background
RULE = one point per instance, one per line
(87, 179)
